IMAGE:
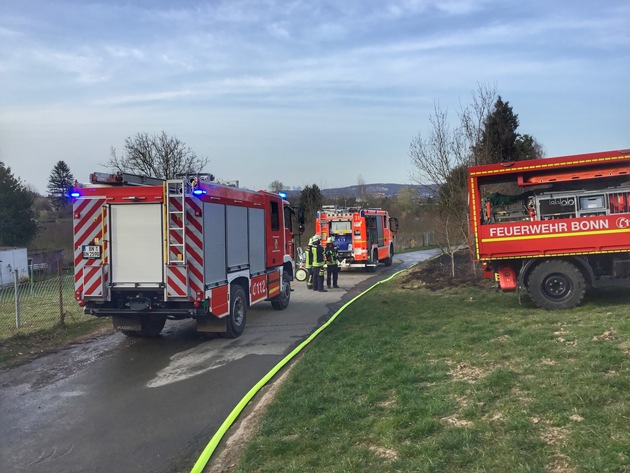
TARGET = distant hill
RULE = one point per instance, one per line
(380, 190)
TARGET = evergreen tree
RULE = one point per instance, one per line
(528, 148)
(311, 201)
(498, 138)
(17, 219)
(60, 183)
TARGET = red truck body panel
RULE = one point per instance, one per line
(582, 207)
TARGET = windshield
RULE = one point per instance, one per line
(340, 226)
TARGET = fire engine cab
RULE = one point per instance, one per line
(364, 237)
(553, 226)
(148, 249)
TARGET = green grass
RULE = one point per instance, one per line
(455, 381)
(39, 307)
(40, 329)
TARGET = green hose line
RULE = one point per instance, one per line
(231, 418)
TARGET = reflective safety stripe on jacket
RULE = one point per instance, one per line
(318, 256)
(309, 257)
(331, 256)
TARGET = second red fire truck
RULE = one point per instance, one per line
(147, 249)
(364, 237)
(553, 226)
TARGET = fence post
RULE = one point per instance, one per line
(17, 301)
(62, 316)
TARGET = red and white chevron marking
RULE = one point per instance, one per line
(88, 225)
(92, 281)
(194, 248)
(176, 283)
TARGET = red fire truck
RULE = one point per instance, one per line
(553, 226)
(364, 237)
(149, 249)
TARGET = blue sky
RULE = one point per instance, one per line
(325, 92)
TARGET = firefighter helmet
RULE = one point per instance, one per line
(330, 240)
(316, 239)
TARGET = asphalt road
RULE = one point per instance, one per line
(118, 404)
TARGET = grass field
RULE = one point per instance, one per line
(458, 380)
(40, 328)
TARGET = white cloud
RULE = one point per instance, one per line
(347, 80)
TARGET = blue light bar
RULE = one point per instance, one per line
(199, 192)
(282, 194)
(74, 194)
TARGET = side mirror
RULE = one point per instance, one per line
(300, 215)
(393, 224)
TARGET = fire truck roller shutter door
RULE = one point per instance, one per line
(214, 247)
(256, 240)
(136, 235)
(237, 236)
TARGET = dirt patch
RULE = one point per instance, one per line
(465, 372)
(456, 422)
(22, 349)
(437, 273)
(386, 453)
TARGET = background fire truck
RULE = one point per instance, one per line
(554, 226)
(364, 237)
(147, 249)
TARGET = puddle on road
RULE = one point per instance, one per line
(209, 356)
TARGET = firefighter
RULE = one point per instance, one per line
(318, 264)
(309, 264)
(332, 262)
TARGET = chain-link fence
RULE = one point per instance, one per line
(27, 307)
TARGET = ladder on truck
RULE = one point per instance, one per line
(175, 202)
(124, 179)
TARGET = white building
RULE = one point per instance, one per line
(11, 260)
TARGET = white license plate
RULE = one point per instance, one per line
(91, 252)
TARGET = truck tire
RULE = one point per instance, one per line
(556, 285)
(151, 326)
(238, 313)
(301, 274)
(281, 301)
(388, 260)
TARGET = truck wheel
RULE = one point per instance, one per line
(300, 274)
(238, 313)
(556, 285)
(281, 301)
(388, 260)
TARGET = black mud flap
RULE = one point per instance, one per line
(210, 323)
(131, 324)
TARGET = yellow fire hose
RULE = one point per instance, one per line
(231, 418)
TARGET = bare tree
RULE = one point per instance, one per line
(441, 158)
(160, 156)
(276, 186)
(473, 118)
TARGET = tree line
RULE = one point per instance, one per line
(486, 132)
